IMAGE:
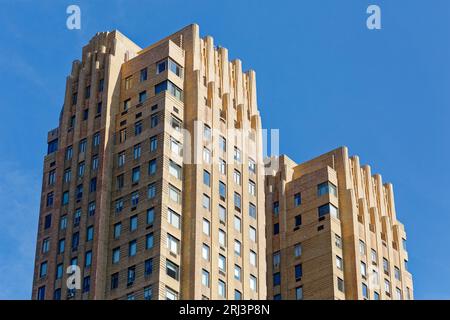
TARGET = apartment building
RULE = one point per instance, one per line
(332, 232)
(153, 184)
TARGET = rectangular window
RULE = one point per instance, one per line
(237, 202)
(298, 220)
(116, 255)
(326, 188)
(206, 156)
(297, 250)
(47, 221)
(365, 291)
(297, 199)
(205, 278)
(90, 233)
(253, 283)
(237, 224)
(173, 244)
(222, 191)
(340, 284)
(339, 263)
(276, 228)
(205, 252)
(51, 177)
(172, 270)
(206, 227)
(134, 198)
(237, 272)
(222, 166)
(222, 144)
(328, 209)
(299, 293)
(153, 143)
(175, 68)
(252, 210)
(222, 290)
(52, 146)
(132, 248)
(152, 166)
(222, 238)
(169, 86)
(206, 202)
(253, 258)
(174, 218)
(276, 259)
(148, 293)
(133, 223)
(143, 75)
(88, 259)
(174, 194)
(237, 177)
(126, 104)
(150, 217)
(135, 175)
(131, 275)
(252, 234)
(138, 128)
(117, 230)
(298, 272)
(276, 208)
(96, 139)
(174, 169)
(206, 178)
(222, 263)
(252, 188)
(142, 96)
(149, 241)
(148, 267)
(237, 248)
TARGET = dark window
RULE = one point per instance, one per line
(148, 267)
(298, 272)
(276, 279)
(131, 276)
(276, 228)
(276, 208)
(114, 280)
(47, 221)
(52, 146)
(298, 220)
(101, 84)
(297, 199)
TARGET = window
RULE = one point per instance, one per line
(237, 202)
(150, 218)
(387, 287)
(237, 224)
(326, 188)
(74, 98)
(121, 159)
(237, 155)
(61, 246)
(338, 241)
(63, 223)
(237, 295)
(386, 266)
(148, 293)
(99, 108)
(47, 221)
(340, 284)
(174, 194)
(363, 270)
(205, 252)
(161, 66)
(175, 68)
(222, 166)
(298, 272)
(172, 270)
(206, 178)
(328, 209)
(132, 248)
(133, 223)
(397, 273)
(206, 202)
(43, 269)
(77, 217)
(222, 289)
(276, 208)
(126, 104)
(52, 146)
(252, 165)
(175, 123)
(276, 259)
(237, 248)
(173, 244)
(206, 156)
(237, 177)
(253, 283)
(206, 228)
(362, 248)
(119, 205)
(96, 139)
(117, 230)
(116, 255)
(45, 245)
(135, 175)
(69, 153)
(93, 185)
(222, 214)
(297, 199)
(365, 291)
(206, 132)
(253, 258)
(373, 256)
(171, 295)
(131, 275)
(142, 96)
(138, 128)
(65, 198)
(175, 146)
(153, 143)
(174, 169)
(405, 263)
(88, 259)
(51, 177)
(237, 272)
(134, 198)
(252, 234)
(398, 294)
(75, 241)
(222, 238)
(222, 144)
(376, 296)
(59, 271)
(143, 75)
(94, 163)
(299, 293)
(252, 210)
(276, 228)
(298, 220)
(87, 92)
(101, 84)
(339, 263)
(222, 191)
(136, 151)
(85, 114)
(148, 267)
(82, 146)
(169, 86)
(152, 166)
(149, 241)
(90, 233)
(41, 293)
(205, 278)
(81, 169)
(251, 188)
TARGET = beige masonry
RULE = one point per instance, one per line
(138, 116)
(343, 228)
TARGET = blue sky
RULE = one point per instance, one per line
(323, 78)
